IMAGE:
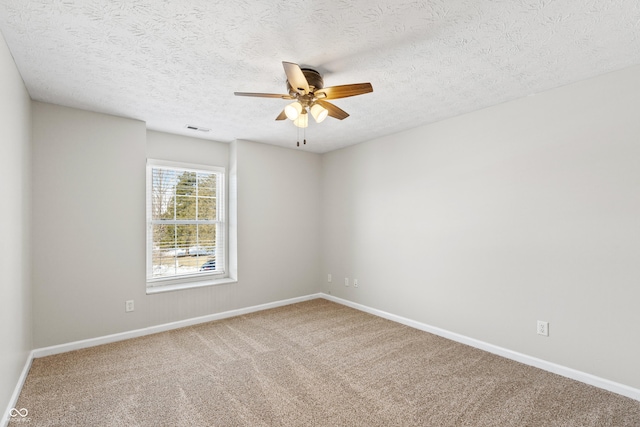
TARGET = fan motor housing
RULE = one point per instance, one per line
(314, 79)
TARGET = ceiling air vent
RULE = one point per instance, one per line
(191, 127)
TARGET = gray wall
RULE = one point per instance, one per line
(15, 282)
(89, 222)
(485, 223)
(279, 218)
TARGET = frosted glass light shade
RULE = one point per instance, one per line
(302, 121)
(293, 110)
(318, 112)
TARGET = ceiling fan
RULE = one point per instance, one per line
(306, 88)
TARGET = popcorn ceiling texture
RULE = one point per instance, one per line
(172, 63)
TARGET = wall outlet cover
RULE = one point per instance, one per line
(543, 328)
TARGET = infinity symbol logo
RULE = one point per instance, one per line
(22, 412)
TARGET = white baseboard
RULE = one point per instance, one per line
(91, 342)
(564, 371)
(16, 391)
(584, 377)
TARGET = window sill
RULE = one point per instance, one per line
(189, 285)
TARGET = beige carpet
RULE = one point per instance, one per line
(315, 363)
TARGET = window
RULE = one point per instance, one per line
(185, 223)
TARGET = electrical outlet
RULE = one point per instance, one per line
(355, 283)
(543, 328)
(329, 278)
(346, 281)
(128, 306)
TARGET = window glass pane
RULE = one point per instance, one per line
(185, 207)
(165, 252)
(162, 192)
(186, 236)
(206, 196)
(170, 210)
(207, 236)
(186, 184)
(164, 265)
(164, 237)
(206, 184)
(206, 208)
(207, 247)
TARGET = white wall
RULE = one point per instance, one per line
(88, 223)
(485, 223)
(15, 282)
(89, 213)
(279, 218)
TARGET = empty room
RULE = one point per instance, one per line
(320, 213)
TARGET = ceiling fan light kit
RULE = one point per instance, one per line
(302, 121)
(319, 113)
(306, 88)
(293, 110)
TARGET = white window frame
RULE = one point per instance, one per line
(198, 279)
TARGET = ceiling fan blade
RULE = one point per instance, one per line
(263, 95)
(343, 91)
(282, 116)
(334, 111)
(296, 77)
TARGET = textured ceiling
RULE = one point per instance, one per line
(178, 62)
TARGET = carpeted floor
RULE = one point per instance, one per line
(315, 363)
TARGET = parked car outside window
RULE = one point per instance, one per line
(209, 265)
